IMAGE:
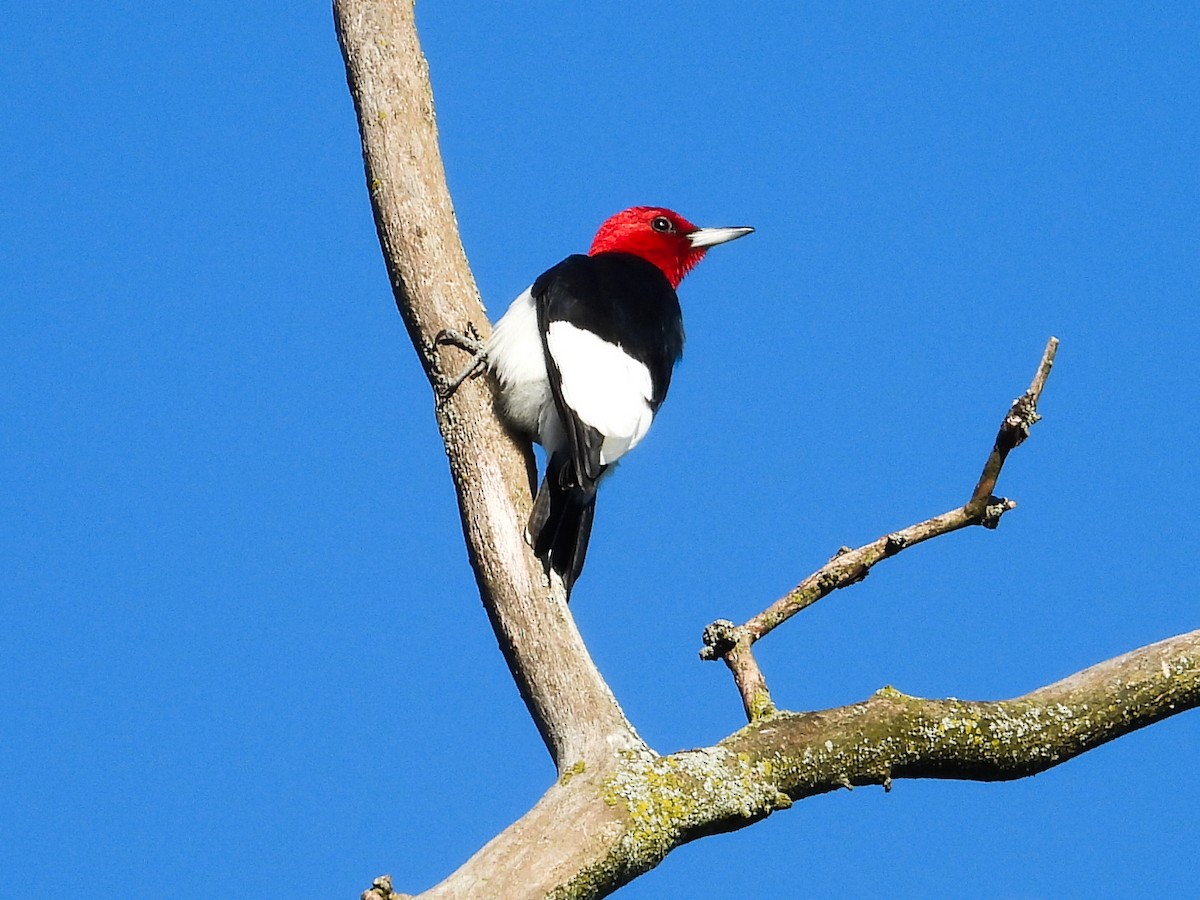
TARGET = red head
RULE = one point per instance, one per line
(662, 237)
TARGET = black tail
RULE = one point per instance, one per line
(561, 522)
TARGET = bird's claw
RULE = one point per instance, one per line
(472, 344)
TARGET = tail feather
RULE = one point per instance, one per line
(561, 522)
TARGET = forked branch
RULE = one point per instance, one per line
(723, 640)
(617, 809)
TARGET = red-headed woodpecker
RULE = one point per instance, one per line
(584, 358)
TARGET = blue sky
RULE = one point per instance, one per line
(241, 644)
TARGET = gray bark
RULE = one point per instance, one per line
(617, 808)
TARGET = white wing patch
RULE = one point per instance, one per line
(606, 387)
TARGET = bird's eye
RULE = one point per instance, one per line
(663, 224)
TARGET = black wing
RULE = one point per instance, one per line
(624, 300)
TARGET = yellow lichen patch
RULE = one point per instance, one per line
(761, 706)
(666, 797)
(571, 771)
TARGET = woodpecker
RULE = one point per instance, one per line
(583, 359)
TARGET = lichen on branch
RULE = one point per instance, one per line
(617, 808)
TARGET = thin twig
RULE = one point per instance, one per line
(724, 640)
(848, 566)
(1015, 427)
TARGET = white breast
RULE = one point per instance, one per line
(515, 356)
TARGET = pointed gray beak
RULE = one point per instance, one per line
(710, 237)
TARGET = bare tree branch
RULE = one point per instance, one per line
(1013, 431)
(732, 643)
(892, 735)
(723, 640)
(624, 822)
(616, 808)
(389, 79)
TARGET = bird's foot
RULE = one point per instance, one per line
(472, 344)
